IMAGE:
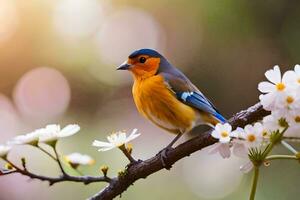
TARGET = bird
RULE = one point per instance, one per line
(166, 97)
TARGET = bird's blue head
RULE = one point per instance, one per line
(147, 52)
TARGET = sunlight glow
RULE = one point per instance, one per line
(125, 31)
(214, 177)
(77, 19)
(8, 19)
(42, 93)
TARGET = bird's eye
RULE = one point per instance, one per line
(142, 59)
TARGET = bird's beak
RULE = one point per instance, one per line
(124, 66)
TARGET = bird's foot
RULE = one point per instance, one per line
(163, 157)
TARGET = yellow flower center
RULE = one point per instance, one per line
(251, 137)
(289, 99)
(299, 80)
(280, 86)
(297, 119)
(224, 134)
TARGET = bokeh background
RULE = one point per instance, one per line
(57, 65)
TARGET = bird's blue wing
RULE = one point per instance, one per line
(187, 93)
(199, 101)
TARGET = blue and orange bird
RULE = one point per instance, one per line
(166, 97)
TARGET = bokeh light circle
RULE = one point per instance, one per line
(42, 93)
(122, 32)
(76, 19)
(8, 19)
(125, 31)
(211, 176)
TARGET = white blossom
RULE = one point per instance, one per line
(252, 135)
(79, 159)
(294, 118)
(295, 76)
(222, 132)
(222, 148)
(290, 100)
(273, 123)
(115, 140)
(4, 150)
(274, 89)
(30, 138)
(53, 132)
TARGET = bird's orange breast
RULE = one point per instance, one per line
(157, 103)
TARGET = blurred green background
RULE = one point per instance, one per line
(57, 65)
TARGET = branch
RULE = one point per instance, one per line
(52, 180)
(59, 162)
(142, 169)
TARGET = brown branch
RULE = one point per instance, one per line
(52, 180)
(59, 162)
(142, 169)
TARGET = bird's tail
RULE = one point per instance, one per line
(213, 120)
(220, 118)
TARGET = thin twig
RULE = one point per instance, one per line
(127, 154)
(46, 152)
(53, 180)
(59, 162)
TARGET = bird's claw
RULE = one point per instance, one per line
(163, 157)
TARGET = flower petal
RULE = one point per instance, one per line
(122, 137)
(297, 69)
(218, 127)
(224, 140)
(227, 127)
(106, 148)
(52, 128)
(224, 150)
(237, 133)
(248, 128)
(267, 101)
(274, 75)
(266, 87)
(69, 130)
(216, 134)
(246, 167)
(239, 150)
(133, 135)
(98, 143)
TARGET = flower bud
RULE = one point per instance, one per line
(121, 173)
(8, 166)
(104, 169)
